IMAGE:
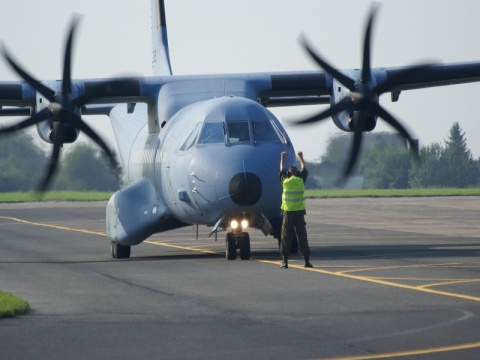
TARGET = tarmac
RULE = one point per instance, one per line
(392, 278)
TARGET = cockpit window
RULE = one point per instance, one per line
(190, 138)
(212, 133)
(279, 132)
(263, 132)
(238, 132)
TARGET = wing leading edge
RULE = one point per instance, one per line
(270, 89)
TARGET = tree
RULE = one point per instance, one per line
(428, 172)
(337, 148)
(385, 166)
(383, 160)
(21, 162)
(458, 160)
(85, 168)
(449, 166)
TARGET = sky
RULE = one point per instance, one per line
(219, 36)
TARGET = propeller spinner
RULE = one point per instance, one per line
(363, 100)
(64, 110)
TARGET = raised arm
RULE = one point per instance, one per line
(302, 162)
(282, 160)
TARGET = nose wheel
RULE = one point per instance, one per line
(239, 241)
(120, 251)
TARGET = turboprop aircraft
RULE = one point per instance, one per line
(205, 149)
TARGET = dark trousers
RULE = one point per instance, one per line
(294, 223)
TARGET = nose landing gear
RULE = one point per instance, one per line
(236, 241)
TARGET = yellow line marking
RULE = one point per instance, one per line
(191, 248)
(400, 267)
(379, 281)
(416, 279)
(410, 352)
(458, 281)
(340, 274)
(53, 226)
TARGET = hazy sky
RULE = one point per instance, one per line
(226, 36)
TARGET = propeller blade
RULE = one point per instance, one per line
(42, 89)
(39, 117)
(63, 109)
(385, 115)
(58, 135)
(67, 61)
(342, 105)
(359, 120)
(343, 79)
(366, 67)
(87, 130)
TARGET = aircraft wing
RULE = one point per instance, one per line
(438, 75)
(307, 88)
(21, 94)
(271, 89)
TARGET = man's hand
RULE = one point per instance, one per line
(302, 162)
(282, 160)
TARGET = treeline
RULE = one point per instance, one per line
(23, 164)
(386, 163)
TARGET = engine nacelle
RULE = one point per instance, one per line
(344, 120)
(44, 128)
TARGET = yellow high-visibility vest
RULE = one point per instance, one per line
(293, 197)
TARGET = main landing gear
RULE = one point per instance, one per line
(120, 251)
(239, 241)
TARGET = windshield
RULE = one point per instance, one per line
(189, 140)
(212, 133)
(263, 132)
(238, 132)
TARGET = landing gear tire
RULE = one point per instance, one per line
(237, 241)
(120, 251)
(230, 247)
(244, 245)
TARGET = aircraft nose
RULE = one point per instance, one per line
(245, 189)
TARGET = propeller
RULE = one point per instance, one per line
(64, 110)
(363, 100)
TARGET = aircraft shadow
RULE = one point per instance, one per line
(338, 252)
(347, 252)
(398, 251)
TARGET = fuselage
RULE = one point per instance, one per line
(214, 159)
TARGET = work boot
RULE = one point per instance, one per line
(284, 263)
(307, 262)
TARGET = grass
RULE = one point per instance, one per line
(336, 193)
(16, 197)
(11, 305)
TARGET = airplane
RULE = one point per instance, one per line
(205, 149)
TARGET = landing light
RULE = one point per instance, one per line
(243, 223)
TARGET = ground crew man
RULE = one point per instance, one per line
(293, 209)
